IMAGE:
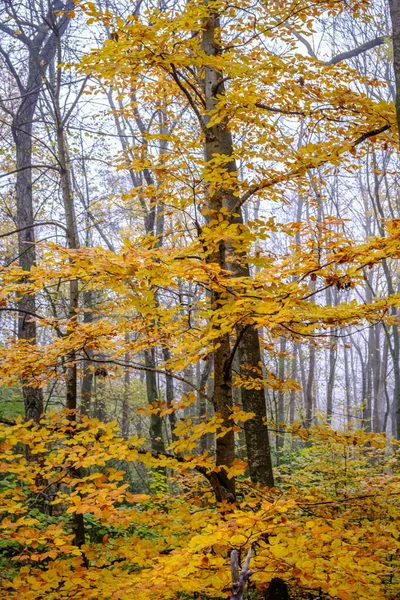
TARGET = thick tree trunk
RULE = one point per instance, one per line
(41, 50)
(22, 130)
(219, 142)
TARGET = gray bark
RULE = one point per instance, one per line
(219, 141)
(281, 396)
(395, 348)
(41, 49)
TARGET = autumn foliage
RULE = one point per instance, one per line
(242, 117)
(332, 526)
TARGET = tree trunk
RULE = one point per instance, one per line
(87, 378)
(395, 16)
(348, 386)
(41, 50)
(219, 142)
(169, 394)
(156, 435)
(309, 397)
(293, 375)
(73, 244)
(281, 396)
(22, 130)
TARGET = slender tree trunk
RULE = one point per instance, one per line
(309, 397)
(293, 375)
(73, 243)
(367, 406)
(377, 417)
(281, 396)
(203, 380)
(169, 394)
(348, 386)
(332, 364)
(395, 16)
(331, 377)
(87, 378)
(125, 400)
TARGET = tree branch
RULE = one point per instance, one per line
(29, 167)
(279, 110)
(263, 185)
(140, 367)
(3, 235)
(378, 41)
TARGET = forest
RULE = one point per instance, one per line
(199, 299)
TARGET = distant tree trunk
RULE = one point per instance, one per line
(72, 236)
(203, 380)
(87, 378)
(377, 416)
(293, 375)
(100, 374)
(384, 377)
(348, 386)
(353, 374)
(367, 406)
(126, 396)
(363, 364)
(309, 396)
(169, 393)
(303, 379)
(281, 396)
(332, 363)
(277, 590)
(331, 376)
(156, 433)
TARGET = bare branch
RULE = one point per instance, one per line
(3, 235)
(239, 581)
(29, 167)
(378, 41)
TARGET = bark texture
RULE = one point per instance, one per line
(41, 49)
(218, 141)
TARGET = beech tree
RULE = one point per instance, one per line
(234, 272)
